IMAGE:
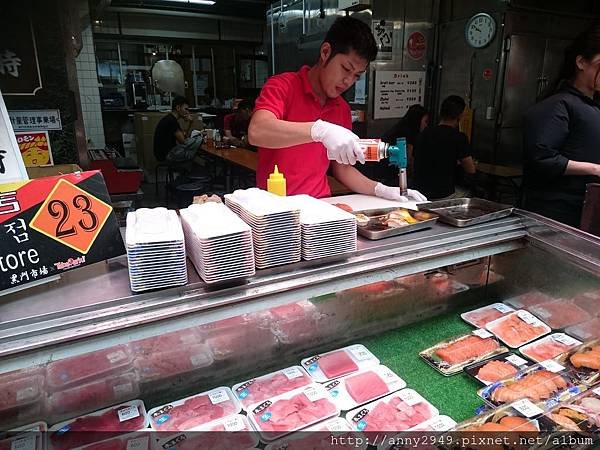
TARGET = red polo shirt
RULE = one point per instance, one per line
(290, 97)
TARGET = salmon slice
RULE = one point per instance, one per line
(546, 350)
(515, 423)
(466, 349)
(515, 331)
(495, 371)
(591, 360)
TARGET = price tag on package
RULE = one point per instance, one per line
(24, 443)
(388, 375)
(516, 360)
(336, 425)
(234, 424)
(293, 372)
(527, 408)
(528, 318)
(140, 443)
(501, 307)
(565, 339)
(441, 423)
(597, 391)
(219, 396)
(482, 333)
(313, 394)
(409, 397)
(360, 353)
(128, 413)
(552, 366)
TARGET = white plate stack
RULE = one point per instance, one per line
(326, 229)
(218, 242)
(275, 226)
(155, 249)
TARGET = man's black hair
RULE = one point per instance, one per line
(348, 34)
(178, 101)
(245, 104)
(452, 107)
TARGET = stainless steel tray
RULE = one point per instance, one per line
(374, 234)
(463, 212)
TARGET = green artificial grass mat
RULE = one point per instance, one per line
(454, 396)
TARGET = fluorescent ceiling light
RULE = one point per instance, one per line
(196, 2)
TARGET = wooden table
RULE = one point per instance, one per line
(249, 159)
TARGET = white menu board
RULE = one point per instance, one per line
(11, 163)
(396, 91)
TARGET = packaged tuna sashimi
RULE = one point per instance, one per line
(407, 440)
(24, 441)
(230, 433)
(141, 440)
(271, 385)
(549, 347)
(581, 414)
(544, 384)
(482, 316)
(451, 356)
(292, 411)
(159, 366)
(294, 322)
(89, 366)
(528, 299)
(586, 330)
(399, 411)
(560, 314)
(19, 392)
(589, 301)
(497, 368)
(518, 328)
(121, 419)
(193, 412)
(583, 362)
(166, 342)
(337, 363)
(362, 387)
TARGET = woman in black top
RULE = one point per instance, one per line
(562, 136)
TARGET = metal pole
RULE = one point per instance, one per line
(272, 42)
(120, 63)
(235, 91)
(212, 62)
(194, 75)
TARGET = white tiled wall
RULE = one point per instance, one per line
(88, 82)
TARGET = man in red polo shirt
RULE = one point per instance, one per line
(302, 124)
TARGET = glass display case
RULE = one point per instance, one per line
(86, 342)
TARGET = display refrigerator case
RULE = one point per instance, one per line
(85, 342)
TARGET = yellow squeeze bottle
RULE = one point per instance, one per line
(276, 183)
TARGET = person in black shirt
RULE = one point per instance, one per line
(437, 151)
(171, 143)
(562, 136)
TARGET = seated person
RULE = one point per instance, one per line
(171, 143)
(437, 151)
(235, 125)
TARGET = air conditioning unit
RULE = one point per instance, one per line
(354, 5)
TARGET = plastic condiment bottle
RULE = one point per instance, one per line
(276, 183)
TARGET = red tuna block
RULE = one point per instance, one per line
(336, 364)
(366, 386)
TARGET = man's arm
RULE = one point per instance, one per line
(582, 168)
(267, 131)
(350, 177)
(179, 136)
(468, 165)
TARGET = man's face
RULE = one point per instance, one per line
(339, 73)
(245, 114)
(183, 110)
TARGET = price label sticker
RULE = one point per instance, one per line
(441, 423)
(293, 372)
(314, 394)
(482, 333)
(596, 391)
(388, 375)
(219, 396)
(527, 317)
(504, 309)
(360, 353)
(411, 398)
(527, 408)
(552, 366)
(26, 393)
(234, 424)
(516, 360)
(199, 360)
(117, 356)
(128, 413)
(336, 425)
(565, 339)
(24, 443)
(71, 216)
(140, 443)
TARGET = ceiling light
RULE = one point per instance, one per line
(195, 2)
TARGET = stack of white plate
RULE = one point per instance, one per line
(218, 242)
(326, 229)
(275, 226)
(155, 249)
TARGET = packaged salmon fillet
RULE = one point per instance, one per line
(337, 363)
(497, 368)
(292, 411)
(451, 356)
(271, 385)
(543, 384)
(336, 433)
(193, 412)
(482, 316)
(583, 362)
(79, 369)
(528, 299)
(362, 387)
(518, 328)
(230, 433)
(586, 330)
(560, 314)
(20, 392)
(589, 301)
(549, 347)
(521, 416)
(94, 427)
(580, 414)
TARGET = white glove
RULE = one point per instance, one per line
(393, 193)
(341, 143)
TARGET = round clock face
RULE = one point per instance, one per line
(480, 30)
